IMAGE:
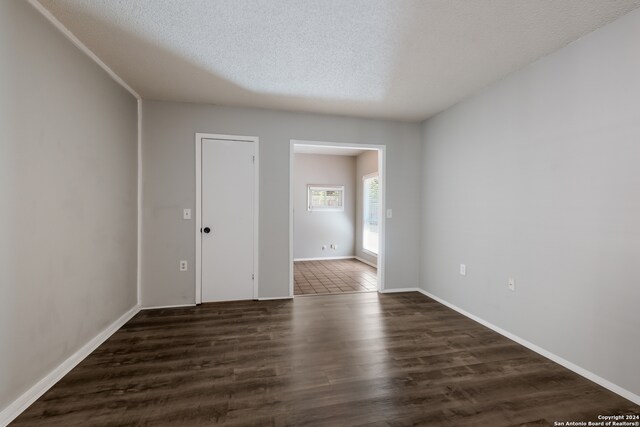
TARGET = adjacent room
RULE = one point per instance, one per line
(336, 203)
(319, 213)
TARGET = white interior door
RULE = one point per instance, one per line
(228, 209)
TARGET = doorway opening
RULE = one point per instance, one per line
(336, 221)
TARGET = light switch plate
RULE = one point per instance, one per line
(512, 284)
(186, 214)
(389, 213)
(463, 269)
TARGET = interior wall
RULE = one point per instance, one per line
(68, 199)
(366, 163)
(314, 229)
(169, 130)
(536, 178)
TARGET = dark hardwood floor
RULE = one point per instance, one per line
(335, 360)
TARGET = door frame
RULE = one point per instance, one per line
(382, 171)
(256, 207)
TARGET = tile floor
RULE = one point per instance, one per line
(334, 277)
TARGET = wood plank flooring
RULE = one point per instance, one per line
(334, 277)
(336, 360)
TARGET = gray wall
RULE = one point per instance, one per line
(366, 163)
(68, 191)
(538, 178)
(169, 186)
(314, 229)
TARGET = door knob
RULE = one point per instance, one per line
(206, 230)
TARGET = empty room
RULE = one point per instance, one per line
(324, 213)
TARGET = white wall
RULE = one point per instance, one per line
(366, 163)
(169, 186)
(538, 178)
(68, 199)
(313, 229)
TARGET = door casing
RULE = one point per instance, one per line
(382, 171)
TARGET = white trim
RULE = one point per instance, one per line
(382, 171)
(256, 206)
(224, 137)
(139, 248)
(274, 298)
(23, 402)
(363, 200)
(256, 220)
(69, 35)
(198, 222)
(396, 290)
(168, 306)
(366, 262)
(355, 145)
(291, 260)
(370, 175)
(541, 351)
(328, 258)
(368, 252)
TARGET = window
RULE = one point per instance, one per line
(371, 211)
(327, 198)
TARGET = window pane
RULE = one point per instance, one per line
(326, 198)
(371, 210)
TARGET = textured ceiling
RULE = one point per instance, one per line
(398, 59)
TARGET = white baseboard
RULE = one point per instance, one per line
(394, 290)
(541, 351)
(367, 262)
(325, 258)
(274, 298)
(167, 306)
(9, 413)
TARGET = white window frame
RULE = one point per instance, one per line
(315, 187)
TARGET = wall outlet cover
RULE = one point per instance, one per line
(463, 269)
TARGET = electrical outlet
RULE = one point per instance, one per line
(389, 213)
(512, 284)
(324, 247)
(186, 214)
(183, 265)
(463, 269)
